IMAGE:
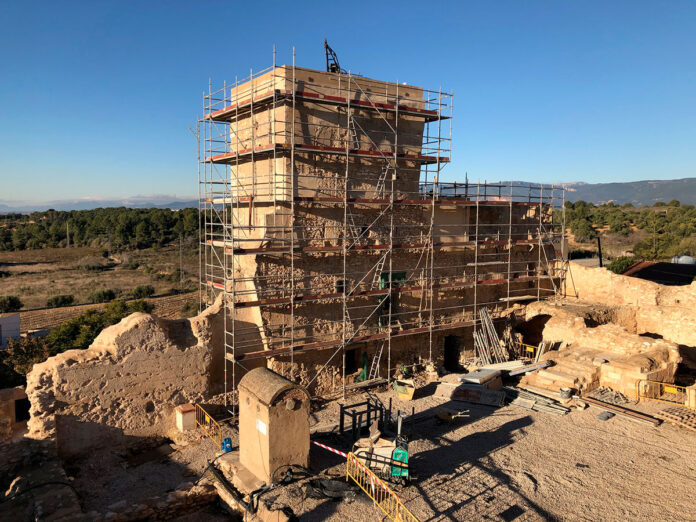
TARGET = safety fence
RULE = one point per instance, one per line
(377, 490)
(664, 392)
(209, 425)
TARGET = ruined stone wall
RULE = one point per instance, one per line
(593, 354)
(669, 311)
(407, 350)
(127, 384)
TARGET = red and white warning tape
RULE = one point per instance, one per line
(330, 449)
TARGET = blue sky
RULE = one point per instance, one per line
(96, 97)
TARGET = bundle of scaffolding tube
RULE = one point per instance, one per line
(488, 347)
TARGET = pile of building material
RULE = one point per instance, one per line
(605, 394)
(534, 401)
(489, 348)
(474, 393)
(598, 355)
(614, 409)
(684, 417)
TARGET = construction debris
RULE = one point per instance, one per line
(505, 366)
(531, 368)
(532, 401)
(633, 415)
(489, 349)
(606, 394)
(473, 393)
(684, 417)
(490, 379)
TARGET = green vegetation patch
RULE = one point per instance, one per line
(621, 264)
(669, 229)
(76, 333)
(10, 303)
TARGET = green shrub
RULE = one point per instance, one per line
(60, 300)
(4, 273)
(189, 309)
(19, 357)
(621, 264)
(102, 296)
(79, 332)
(142, 291)
(132, 264)
(10, 303)
(92, 263)
(141, 306)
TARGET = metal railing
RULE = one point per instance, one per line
(209, 425)
(378, 491)
(662, 392)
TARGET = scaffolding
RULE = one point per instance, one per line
(324, 223)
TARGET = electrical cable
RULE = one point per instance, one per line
(50, 483)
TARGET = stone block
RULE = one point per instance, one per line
(185, 417)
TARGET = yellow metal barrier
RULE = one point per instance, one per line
(209, 425)
(377, 490)
(663, 392)
(527, 350)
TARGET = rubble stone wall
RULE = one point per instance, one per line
(598, 355)
(126, 385)
(669, 311)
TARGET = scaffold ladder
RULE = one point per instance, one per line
(379, 267)
(374, 368)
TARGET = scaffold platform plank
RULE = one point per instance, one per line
(333, 343)
(376, 247)
(303, 298)
(440, 201)
(231, 157)
(230, 112)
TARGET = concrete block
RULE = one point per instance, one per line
(185, 417)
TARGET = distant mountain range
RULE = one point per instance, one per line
(640, 193)
(152, 201)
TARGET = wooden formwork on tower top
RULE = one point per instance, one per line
(325, 223)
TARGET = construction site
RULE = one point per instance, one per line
(373, 343)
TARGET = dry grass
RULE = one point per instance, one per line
(37, 275)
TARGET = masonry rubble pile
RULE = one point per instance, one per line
(615, 354)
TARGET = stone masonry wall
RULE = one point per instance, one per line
(669, 311)
(126, 385)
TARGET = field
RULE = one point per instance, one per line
(37, 275)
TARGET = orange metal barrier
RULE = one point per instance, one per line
(209, 425)
(377, 490)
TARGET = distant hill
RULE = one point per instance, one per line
(640, 193)
(155, 201)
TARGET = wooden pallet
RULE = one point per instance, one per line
(680, 416)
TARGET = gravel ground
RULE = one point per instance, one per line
(500, 464)
(513, 464)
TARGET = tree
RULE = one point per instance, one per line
(10, 303)
(79, 332)
(102, 296)
(60, 300)
(141, 291)
(621, 264)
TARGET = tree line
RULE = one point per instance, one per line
(20, 355)
(670, 227)
(120, 228)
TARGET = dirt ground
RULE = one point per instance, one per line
(36, 275)
(514, 464)
(498, 464)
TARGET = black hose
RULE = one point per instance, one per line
(51, 483)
